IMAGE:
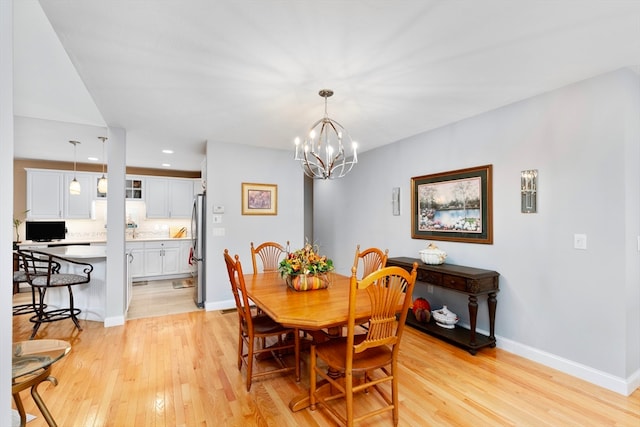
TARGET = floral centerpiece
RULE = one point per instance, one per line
(305, 269)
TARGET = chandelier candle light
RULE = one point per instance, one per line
(102, 182)
(74, 186)
(322, 153)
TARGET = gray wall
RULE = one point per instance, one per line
(578, 311)
(228, 166)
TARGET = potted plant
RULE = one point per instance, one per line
(16, 224)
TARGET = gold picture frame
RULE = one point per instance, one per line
(259, 199)
(455, 206)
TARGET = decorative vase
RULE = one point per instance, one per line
(308, 282)
(445, 318)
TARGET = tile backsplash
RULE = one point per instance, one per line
(95, 228)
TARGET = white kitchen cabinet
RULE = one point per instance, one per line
(185, 254)
(180, 198)
(155, 196)
(171, 259)
(161, 258)
(133, 188)
(158, 259)
(78, 206)
(44, 194)
(136, 262)
(168, 197)
(48, 194)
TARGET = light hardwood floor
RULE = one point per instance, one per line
(159, 298)
(180, 370)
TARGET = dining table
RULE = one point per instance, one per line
(321, 313)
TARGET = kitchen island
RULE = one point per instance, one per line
(90, 297)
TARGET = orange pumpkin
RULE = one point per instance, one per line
(422, 310)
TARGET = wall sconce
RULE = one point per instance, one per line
(395, 201)
(529, 191)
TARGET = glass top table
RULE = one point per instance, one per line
(31, 365)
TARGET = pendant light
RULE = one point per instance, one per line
(102, 182)
(322, 154)
(74, 186)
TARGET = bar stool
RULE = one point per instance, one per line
(53, 279)
(20, 276)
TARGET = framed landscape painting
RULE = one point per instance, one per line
(259, 199)
(454, 206)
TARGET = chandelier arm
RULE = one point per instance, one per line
(318, 164)
(342, 167)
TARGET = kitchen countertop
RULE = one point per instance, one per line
(98, 241)
(77, 251)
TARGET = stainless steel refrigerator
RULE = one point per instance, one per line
(198, 245)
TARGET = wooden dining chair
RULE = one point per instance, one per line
(270, 254)
(371, 259)
(252, 327)
(372, 357)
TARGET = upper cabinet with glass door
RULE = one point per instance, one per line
(132, 189)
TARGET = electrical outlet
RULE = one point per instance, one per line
(430, 289)
(580, 241)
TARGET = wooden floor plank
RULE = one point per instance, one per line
(181, 370)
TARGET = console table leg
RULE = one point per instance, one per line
(492, 303)
(473, 315)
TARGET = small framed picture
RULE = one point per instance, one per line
(259, 199)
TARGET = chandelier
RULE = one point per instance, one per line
(102, 182)
(322, 155)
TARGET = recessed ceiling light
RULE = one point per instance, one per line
(167, 151)
(166, 165)
(93, 159)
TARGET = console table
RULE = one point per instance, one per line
(467, 280)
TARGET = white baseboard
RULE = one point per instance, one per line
(624, 386)
(219, 305)
(114, 321)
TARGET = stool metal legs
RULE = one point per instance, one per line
(28, 308)
(46, 316)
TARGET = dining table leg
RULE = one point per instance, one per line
(303, 401)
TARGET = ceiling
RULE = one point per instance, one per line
(177, 73)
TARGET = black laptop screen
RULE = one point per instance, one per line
(45, 231)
